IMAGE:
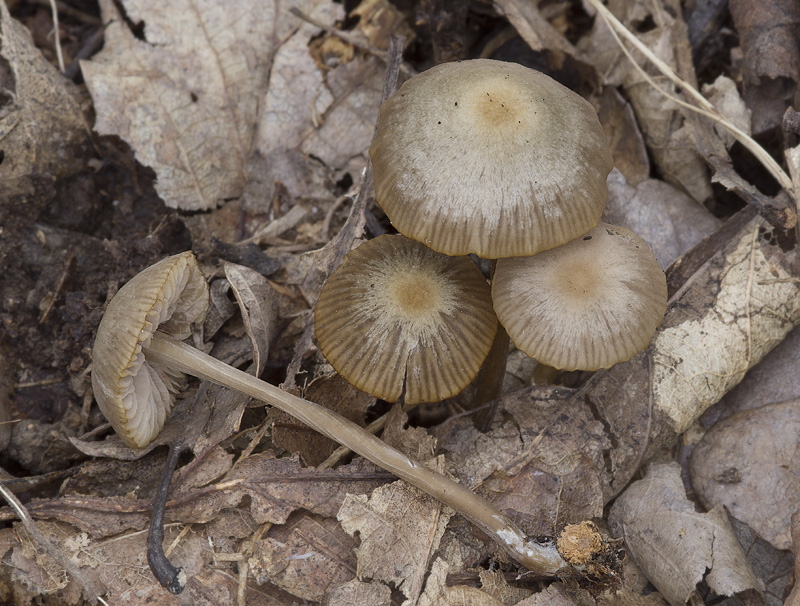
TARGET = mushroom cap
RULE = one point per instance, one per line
(586, 305)
(491, 158)
(398, 320)
(135, 395)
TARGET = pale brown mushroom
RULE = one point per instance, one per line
(130, 349)
(399, 320)
(491, 158)
(588, 304)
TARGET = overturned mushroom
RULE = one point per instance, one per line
(134, 358)
(399, 320)
(586, 305)
(491, 158)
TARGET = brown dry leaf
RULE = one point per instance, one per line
(259, 308)
(659, 118)
(187, 98)
(774, 379)
(768, 34)
(750, 464)
(359, 593)
(624, 137)
(307, 557)
(43, 134)
(438, 593)
(667, 219)
(676, 546)
(635, 590)
(553, 595)
(724, 96)
(333, 392)
(400, 528)
(540, 467)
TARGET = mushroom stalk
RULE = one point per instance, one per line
(178, 355)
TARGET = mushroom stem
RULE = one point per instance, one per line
(539, 558)
(174, 579)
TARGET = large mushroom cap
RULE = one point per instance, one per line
(589, 304)
(399, 320)
(490, 158)
(134, 395)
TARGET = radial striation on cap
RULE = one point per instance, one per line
(589, 304)
(399, 320)
(491, 158)
(134, 395)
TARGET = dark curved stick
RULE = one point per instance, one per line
(174, 579)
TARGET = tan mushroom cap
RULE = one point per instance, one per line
(134, 395)
(399, 320)
(491, 158)
(589, 304)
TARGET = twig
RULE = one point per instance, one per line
(92, 589)
(57, 36)
(706, 108)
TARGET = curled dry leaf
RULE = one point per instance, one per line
(42, 131)
(624, 138)
(258, 306)
(676, 546)
(768, 35)
(749, 464)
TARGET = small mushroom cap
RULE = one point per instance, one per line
(397, 319)
(135, 395)
(491, 158)
(589, 304)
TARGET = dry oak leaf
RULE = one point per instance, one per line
(750, 463)
(187, 96)
(674, 545)
(359, 593)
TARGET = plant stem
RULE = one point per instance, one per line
(539, 558)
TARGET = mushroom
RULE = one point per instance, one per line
(491, 158)
(138, 354)
(588, 304)
(399, 320)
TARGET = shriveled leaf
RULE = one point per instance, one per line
(769, 39)
(258, 306)
(307, 557)
(400, 528)
(541, 467)
(659, 118)
(676, 546)
(749, 463)
(438, 593)
(359, 593)
(625, 138)
(553, 595)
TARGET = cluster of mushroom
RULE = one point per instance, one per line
(501, 161)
